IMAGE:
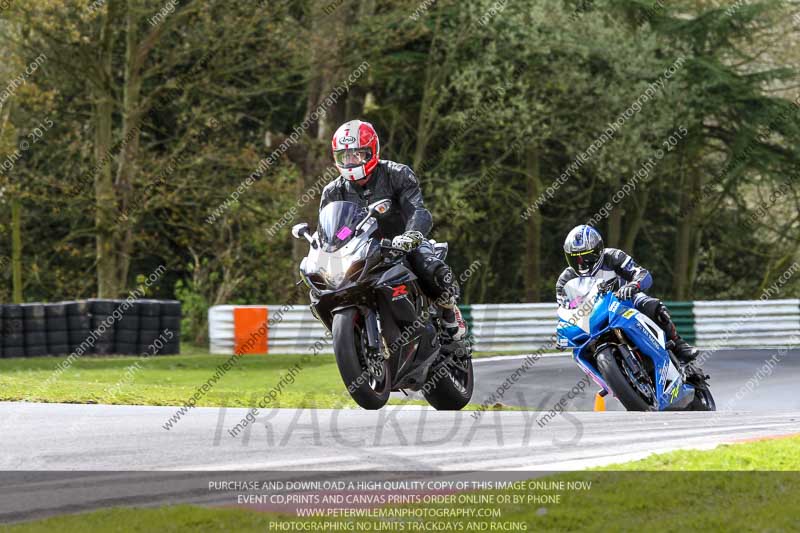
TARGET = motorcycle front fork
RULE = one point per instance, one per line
(373, 335)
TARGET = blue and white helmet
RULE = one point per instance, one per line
(584, 249)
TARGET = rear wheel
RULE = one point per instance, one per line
(450, 383)
(621, 384)
(366, 376)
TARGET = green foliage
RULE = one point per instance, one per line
(489, 104)
(194, 308)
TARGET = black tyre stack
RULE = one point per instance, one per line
(149, 326)
(35, 326)
(80, 326)
(171, 327)
(57, 328)
(97, 326)
(127, 330)
(13, 331)
(103, 324)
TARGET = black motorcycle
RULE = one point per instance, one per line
(386, 331)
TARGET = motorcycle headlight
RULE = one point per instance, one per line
(333, 280)
(355, 268)
(335, 269)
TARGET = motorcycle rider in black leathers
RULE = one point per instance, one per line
(365, 179)
(586, 256)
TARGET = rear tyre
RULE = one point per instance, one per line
(619, 383)
(368, 382)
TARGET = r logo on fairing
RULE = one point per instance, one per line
(399, 292)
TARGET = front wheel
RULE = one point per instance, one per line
(450, 383)
(366, 376)
(703, 400)
(619, 382)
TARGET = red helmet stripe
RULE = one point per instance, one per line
(357, 134)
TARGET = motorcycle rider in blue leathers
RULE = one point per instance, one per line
(586, 256)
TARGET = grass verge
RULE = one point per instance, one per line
(171, 380)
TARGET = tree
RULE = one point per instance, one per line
(127, 93)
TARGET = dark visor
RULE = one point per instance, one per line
(583, 261)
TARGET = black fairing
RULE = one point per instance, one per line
(399, 273)
(406, 321)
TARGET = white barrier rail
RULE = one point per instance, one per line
(746, 324)
(528, 327)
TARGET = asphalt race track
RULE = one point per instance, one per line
(551, 377)
(99, 441)
(106, 437)
(110, 439)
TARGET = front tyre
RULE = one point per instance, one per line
(619, 382)
(703, 400)
(366, 377)
(450, 383)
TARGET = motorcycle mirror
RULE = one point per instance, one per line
(299, 230)
(380, 207)
(376, 208)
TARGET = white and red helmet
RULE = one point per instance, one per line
(356, 149)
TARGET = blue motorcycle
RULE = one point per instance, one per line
(626, 353)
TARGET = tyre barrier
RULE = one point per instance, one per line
(98, 326)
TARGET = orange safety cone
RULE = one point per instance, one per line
(600, 401)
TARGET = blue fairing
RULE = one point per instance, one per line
(610, 313)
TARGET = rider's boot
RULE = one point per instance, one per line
(455, 329)
(684, 351)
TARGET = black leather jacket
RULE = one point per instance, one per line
(389, 180)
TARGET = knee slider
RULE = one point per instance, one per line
(430, 266)
(663, 314)
(447, 282)
(444, 276)
(650, 307)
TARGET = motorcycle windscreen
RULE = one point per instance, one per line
(337, 224)
(581, 296)
(334, 266)
(579, 290)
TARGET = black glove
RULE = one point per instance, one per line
(627, 291)
(408, 240)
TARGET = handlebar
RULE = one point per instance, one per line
(386, 244)
(607, 286)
